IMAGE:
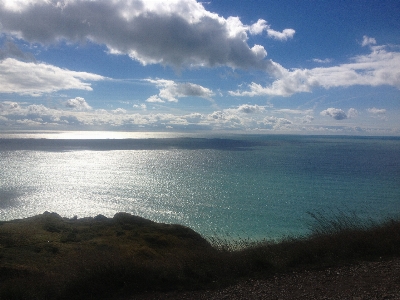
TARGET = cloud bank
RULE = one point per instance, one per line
(76, 113)
(380, 67)
(179, 33)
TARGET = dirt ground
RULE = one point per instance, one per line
(364, 280)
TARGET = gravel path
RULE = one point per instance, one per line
(365, 280)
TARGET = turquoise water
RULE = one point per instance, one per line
(239, 186)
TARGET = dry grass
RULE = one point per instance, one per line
(49, 257)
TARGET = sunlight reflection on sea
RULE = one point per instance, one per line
(213, 186)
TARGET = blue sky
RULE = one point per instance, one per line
(302, 67)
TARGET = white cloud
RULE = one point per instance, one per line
(101, 111)
(306, 119)
(262, 25)
(335, 113)
(352, 113)
(282, 36)
(37, 110)
(225, 120)
(9, 106)
(259, 27)
(259, 51)
(290, 83)
(250, 109)
(154, 99)
(377, 68)
(368, 41)
(275, 120)
(322, 61)
(194, 117)
(140, 106)
(380, 67)
(119, 111)
(277, 123)
(377, 111)
(171, 91)
(16, 114)
(178, 33)
(251, 117)
(78, 103)
(35, 79)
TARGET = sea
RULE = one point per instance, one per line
(249, 186)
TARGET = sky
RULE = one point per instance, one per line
(254, 66)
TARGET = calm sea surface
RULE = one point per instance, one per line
(239, 186)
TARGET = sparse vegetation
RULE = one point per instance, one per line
(50, 257)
